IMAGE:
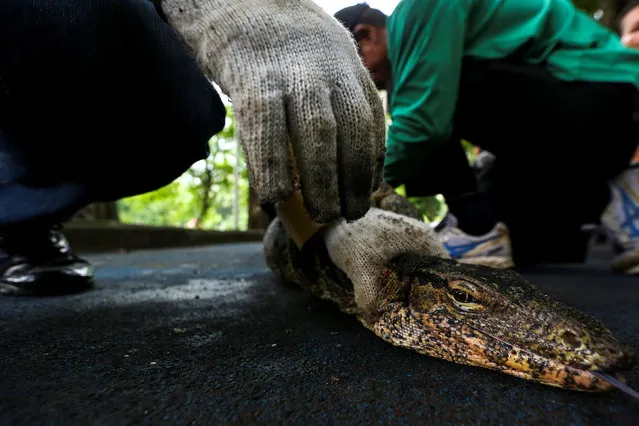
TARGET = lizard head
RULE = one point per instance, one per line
(494, 319)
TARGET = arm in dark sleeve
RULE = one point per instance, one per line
(426, 46)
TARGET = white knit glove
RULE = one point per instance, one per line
(291, 69)
(363, 248)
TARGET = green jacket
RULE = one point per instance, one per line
(427, 40)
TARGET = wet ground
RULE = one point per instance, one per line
(208, 336)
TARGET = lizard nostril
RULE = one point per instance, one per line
(570, 339)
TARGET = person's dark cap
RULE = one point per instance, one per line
(352, 15)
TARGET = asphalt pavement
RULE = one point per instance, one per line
(208, 336)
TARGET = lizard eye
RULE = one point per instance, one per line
(462, 296)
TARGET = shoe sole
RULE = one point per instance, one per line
(48, 286)
(491, 261)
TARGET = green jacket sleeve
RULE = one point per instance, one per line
(426, 46)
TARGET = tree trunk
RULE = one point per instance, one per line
(257, 218)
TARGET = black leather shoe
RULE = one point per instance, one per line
(39, 262)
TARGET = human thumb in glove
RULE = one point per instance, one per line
(362, 249)
(292, 70)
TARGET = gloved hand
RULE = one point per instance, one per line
(290, 69)
(362, 249)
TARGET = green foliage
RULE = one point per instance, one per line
(433, 209)
(468, 147)
(204, 196)
(167, 206)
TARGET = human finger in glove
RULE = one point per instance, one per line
(363, 248)
(292, 70)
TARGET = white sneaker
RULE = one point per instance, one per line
(492, 249)
(620, 221)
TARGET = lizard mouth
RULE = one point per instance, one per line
(567, 377)
(604, 375)
(445, 338)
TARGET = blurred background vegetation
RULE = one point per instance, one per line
(212, 194)
(215, 194)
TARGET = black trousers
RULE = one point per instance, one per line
(99, 100)
(556, 144)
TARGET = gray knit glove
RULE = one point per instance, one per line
(292, 70)
(363, 248)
